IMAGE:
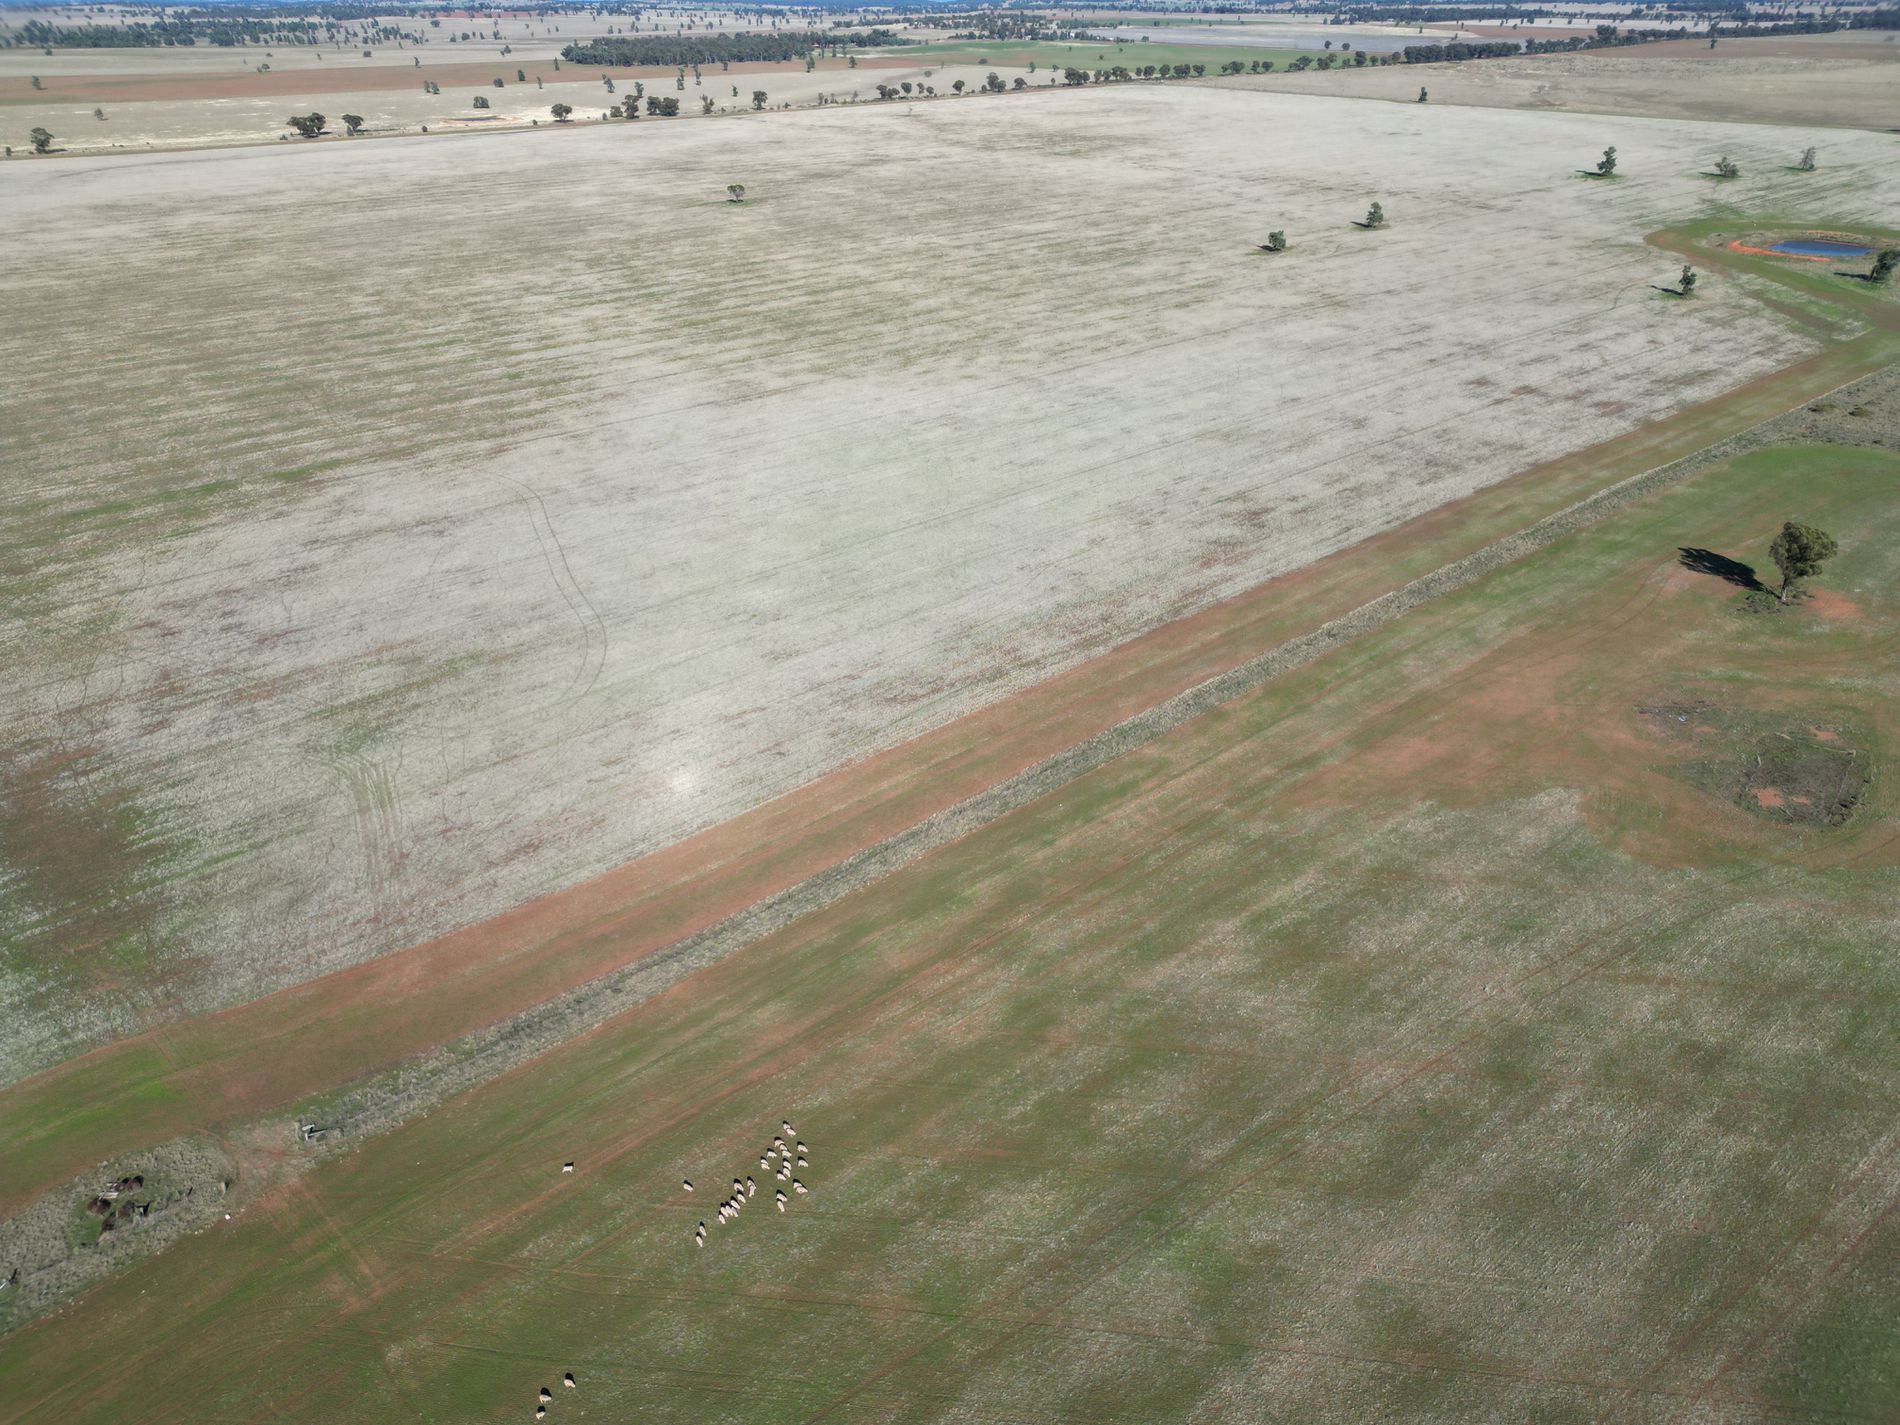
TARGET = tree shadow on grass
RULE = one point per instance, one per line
(1720, 566)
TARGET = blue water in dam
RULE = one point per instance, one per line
(1819, 247)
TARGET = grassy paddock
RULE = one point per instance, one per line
(1406, 1039)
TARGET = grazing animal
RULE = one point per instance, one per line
(568, 1380)
(798, 1187)
(787, 1127)
(804, 1162)
(546, 1395)
(540, 1411)
(750, 1187)
(762, 1160)
(567, 1167)
(687, 1183)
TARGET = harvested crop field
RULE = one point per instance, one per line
(1765, 81)
(1406, 1039)
(475, 517)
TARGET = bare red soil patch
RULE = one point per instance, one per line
(1830, 605)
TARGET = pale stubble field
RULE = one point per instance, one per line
(402, 530)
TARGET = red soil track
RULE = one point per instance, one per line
(224, 1068)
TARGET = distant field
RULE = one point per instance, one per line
(1019, 54)
(1798, 80)
(1440, 1033)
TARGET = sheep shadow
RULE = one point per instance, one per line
(1719, 566)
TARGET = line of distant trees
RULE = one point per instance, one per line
(178, 28)
(770, 46)
(1610, 37)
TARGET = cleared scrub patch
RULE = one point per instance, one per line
(1785, 768)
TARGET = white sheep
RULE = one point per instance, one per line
(567, 1167)
(798, 1187)
(687, 1183)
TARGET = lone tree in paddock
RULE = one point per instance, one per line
(1807, 160)
(1685, 284)
(1883, 265)
(1606, 165)
(1799, 551)
(1725, 168)
(560, 112)
(1276, 241)
(42, 140)
(352, 123)
(309, 125)
(735, 192)
(1375, 217)
(758, 98)
(1422, 96)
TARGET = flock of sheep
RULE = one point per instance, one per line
(787, 1153)
(567, 1379)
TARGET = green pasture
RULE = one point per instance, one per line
(1400, 1041)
